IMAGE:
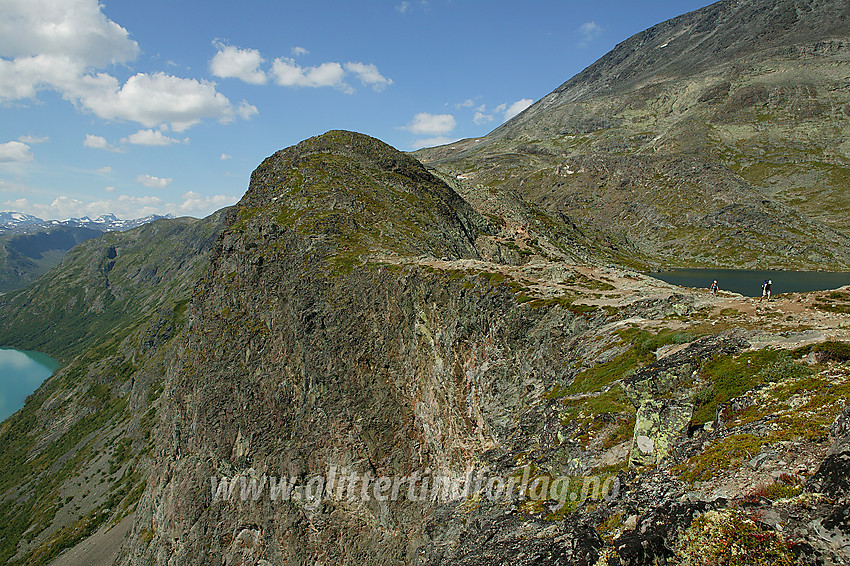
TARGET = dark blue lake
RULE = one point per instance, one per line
(20, 374)
(748, 282)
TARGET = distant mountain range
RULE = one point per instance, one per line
(30, 246)
(19, 222)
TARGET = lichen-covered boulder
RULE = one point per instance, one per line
(664, 375)
(659, 424)
(840, 432)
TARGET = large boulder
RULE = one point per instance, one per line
(664, 375)
(833, 476)
(660, 424)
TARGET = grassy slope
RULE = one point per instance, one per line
(73, 458)
(743, 163)
(26, 257)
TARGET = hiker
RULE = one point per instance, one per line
(714, 288)
(765, 289)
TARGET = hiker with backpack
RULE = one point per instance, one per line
(765, 289)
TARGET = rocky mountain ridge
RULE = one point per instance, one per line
(353, 313)
(716, 139)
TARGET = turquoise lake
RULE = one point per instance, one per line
(20, 374)
(748, 282)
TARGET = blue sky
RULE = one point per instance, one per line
(149, 107)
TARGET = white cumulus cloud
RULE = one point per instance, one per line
(296, 51)
(149, 137)
(235, 62)
(159, 98)
(64, 45)
(99, 142)
(154, 182)
(15, 152)
(288, 73)
(368, 75)
(77, 29)
(431, 124)
(517, 107)
(329, 74)
(225, 156)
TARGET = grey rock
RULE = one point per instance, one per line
(659, 425)
(840, 432)
(662, 376)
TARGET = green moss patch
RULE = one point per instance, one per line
(729, 452)
(732, 376)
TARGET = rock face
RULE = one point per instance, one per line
(659, 426)
(296, 363)
(717, 138)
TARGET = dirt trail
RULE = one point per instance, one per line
(788, 320)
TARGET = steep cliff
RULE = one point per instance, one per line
(325, 342)
(73, 460)
(302, 356)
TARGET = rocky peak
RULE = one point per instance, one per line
(691, 143)
(715, 39)
(358, 193)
